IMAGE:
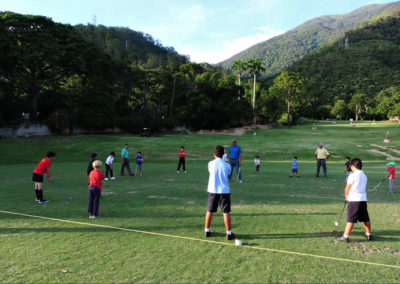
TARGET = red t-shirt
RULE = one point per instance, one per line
(43, 165)
(392, 171)
(182, 153)
(95, 178)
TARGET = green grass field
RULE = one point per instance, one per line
(286, 225)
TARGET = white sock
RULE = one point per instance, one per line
(229, 232)
(346, 236)
(368, 234)
(207, 230)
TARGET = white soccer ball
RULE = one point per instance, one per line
(238, 242)
(336, 224)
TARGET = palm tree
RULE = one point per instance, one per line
(239, 67)
(255, 66)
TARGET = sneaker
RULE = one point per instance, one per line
(290, 176)
(37, 199)
(230, 237)
(43, 201)
(177, 172)
(240, 181)
(207, 234)
(343, 239)
(112, 178)
(91, 217)
(141, 175)
(105, 178)
(368, 237)
(185, 172)
(96, 216)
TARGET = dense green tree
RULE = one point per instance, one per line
(340, 109)
(389, 102)
(292, 87)
(357, 102)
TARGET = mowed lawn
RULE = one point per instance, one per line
(292, 216)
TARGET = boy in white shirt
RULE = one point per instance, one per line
(109, 168)
(356, 198)
(257, 164)
(218, 192)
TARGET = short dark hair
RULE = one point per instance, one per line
(356, 162)
(139, 152)
(257, 157)
(219, 151)
(50, 154)
(295, 157)
(182, 147)
(112, 154)
(94, 155)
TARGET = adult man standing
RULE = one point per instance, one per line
(125, 160)
(321, 155)
(235, 160)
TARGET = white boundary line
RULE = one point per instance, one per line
(202, 240)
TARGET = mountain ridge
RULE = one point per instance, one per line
(282, 51)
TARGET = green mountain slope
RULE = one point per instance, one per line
(131, 46)
(282, 51)
(369, 63)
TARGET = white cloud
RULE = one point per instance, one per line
(229, 48)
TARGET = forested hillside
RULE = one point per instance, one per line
(282, 51)
(97, 77)
(367, 64)
(131, 46)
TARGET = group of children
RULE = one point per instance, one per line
(218, 186)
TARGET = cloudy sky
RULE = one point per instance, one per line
(208, 30)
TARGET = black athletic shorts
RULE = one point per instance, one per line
(295, 171)
(37, 178)
(224, 200)
(357, 211)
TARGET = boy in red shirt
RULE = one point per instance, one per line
(96, 178)
(391, 175)
(182, 155)
(38, 172)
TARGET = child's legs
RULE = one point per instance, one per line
(208, 219)
(257, 168)
(391, 185)
(96, 201)
(227, 221)
(349, 227)
(90, 201)
(179, 164)
(225, 202)
(38, 185)
(367, 226)
(111, 172)
(184, 164)
(107, 170)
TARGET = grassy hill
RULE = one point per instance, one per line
(369, 64)
(282, 51)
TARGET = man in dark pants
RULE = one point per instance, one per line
(321, 155)
(125, 160)
(235, 160)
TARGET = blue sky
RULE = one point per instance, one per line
(207, 31)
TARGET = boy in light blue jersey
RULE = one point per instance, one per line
(295, 167)
(218, 192)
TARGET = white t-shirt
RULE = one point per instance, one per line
(225, 157)
(110, 160)
(218, 181)
(358, 181)
(257, 162)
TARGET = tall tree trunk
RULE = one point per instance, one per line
(173, 95)
(239, 86)
(254, 101)
(288, 113)
(33, 93)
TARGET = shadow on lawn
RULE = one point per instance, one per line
(279, 214)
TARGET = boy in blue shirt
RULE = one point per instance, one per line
(218, 192)
(295, 167)
(139, 162)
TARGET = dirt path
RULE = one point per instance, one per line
(386, 148)
(380, 153)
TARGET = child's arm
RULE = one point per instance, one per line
(347, 190)
(48, 175)
(388, 176)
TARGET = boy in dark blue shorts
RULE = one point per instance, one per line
(218, 192)
(295, 167)
(139, 162)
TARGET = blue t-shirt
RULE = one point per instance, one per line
(125, 153)
(139, 160)
(295, 164)
(235, 152)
